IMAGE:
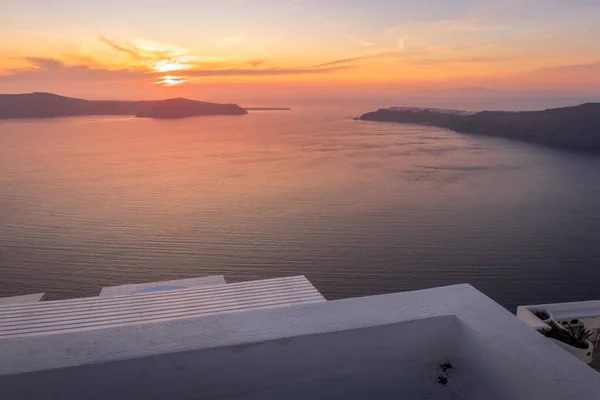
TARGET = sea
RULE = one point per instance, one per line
(360, 208)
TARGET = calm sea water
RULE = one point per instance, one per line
(359, 208)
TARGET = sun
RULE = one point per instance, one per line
(170, 80)
(168, 66)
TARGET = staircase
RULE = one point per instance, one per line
(152, 303)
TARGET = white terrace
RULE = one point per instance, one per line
(279, 339)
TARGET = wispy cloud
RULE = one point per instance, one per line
(234, 40)
(50, 69)
(459, 60)
(397, 50)
(463, 25)
(360, 42)
(347, 60)
(129, 50)
(44, 63)
(401, 43)
(158, 56)
(293, 4)
(572, 70)
(262, 72)
(256, 63)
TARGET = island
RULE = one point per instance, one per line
(575, 127)
(48, 105)
(267, 109)
(182, 108)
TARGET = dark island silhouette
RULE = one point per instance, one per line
(575, 127)
(48, 105)
(267, 108)
(182, 108)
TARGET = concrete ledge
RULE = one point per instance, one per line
(151, 287)
(578, 309)
(28, 298)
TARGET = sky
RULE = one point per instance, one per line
(210, 48)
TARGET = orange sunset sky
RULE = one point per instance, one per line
(135, 49)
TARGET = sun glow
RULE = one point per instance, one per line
(225, 46)
(170, 80)
(168, 66)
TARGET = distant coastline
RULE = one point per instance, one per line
(48, 105)
(576, 128)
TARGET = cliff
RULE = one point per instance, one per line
(569, 127)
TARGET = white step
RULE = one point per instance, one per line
(74, 315)
(178, 284)
(28, 298)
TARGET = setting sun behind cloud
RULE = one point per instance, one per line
(170, 80)
(168, 66)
